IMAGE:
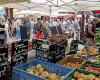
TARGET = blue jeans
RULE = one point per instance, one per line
(18, 33)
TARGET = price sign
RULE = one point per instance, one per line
(19, 52)
(3, 63)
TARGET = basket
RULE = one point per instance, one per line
(92, 64)
(70, 59)
(19, 72)
(70, 75)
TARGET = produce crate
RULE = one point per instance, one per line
(50, 53)
(70, 75)
(62, 42)
(37, 43)
(62, 45)
(49, 56)
(19, 72)
(70, 59)
(45, 56)
(42, 44)
(93, 64)
(95, 59)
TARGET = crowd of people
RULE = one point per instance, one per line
(26, 27)
(14, 26)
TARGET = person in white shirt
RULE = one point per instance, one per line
(17, 24)
(6, 30)
(54, 22)
(32, 28)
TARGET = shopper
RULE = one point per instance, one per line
(7, 30)
(67, 25)
(58, 22)
(91, 31)
(37, 29)
(28, 25)
(54, 22)
(18, 23)
(50, 23)
(76, 25)
(32, 28)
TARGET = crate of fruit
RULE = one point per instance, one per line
(82, 75)
(71, 61)
(37, 43)
(39, 70)
(92, 67)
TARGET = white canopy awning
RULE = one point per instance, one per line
(55, 5)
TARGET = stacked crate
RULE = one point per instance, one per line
(50, 50)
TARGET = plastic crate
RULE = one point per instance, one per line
(89, 63)
(50, 56)
(70, 59)
(19, 72)
(37, 43)
(70, 75)
(45, 55)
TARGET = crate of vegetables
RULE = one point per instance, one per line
(39, 70)
(95, 59)
(82, 75)
(71, 61)
(92, 67)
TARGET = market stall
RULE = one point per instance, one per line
(46, 56)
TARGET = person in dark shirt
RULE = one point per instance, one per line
(37, 29)
(38, 25)
(91, 31)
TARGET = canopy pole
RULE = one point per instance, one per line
(82, 25)
(50, 12)
(6, 11)
(9, 12)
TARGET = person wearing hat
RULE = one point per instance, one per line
(91, 31)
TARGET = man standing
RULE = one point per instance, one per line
(91, 31)
(37, 29)
(27, 24)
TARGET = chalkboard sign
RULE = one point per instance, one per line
(2, 38)
(19, 52)
(53, 30)
(3, 63)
